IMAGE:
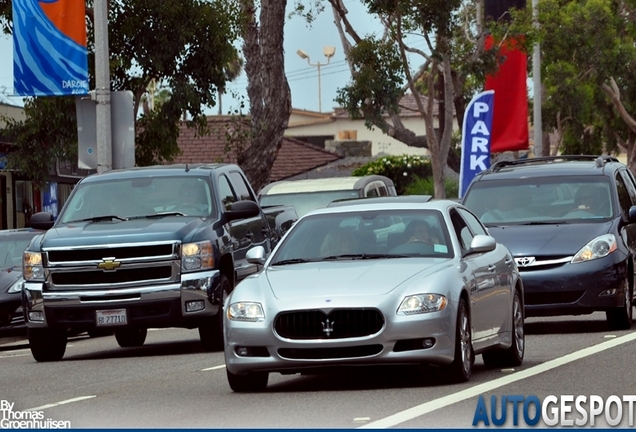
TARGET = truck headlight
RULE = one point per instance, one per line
(32, 269)
(197, 256)
(422, 303)
(248, 311)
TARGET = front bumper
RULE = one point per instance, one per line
(11, 316)
(398, 342)
(575, 289)
(146, 306)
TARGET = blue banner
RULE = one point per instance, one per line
(50, 57)
(476, 138)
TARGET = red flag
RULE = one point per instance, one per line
(510, 121)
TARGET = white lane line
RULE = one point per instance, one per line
(77, 399)
(445, 401)
(214, 367)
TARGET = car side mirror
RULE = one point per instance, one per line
(632, 214)
(243, 210)
(482, 243)
(256, 255)
(42, 220)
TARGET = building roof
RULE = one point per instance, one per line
(294, 157)
(408, 108)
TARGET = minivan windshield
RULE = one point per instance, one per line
(541, 200)
(307, 201)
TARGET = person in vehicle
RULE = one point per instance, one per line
(508, 208)
(339, 241)
(590, 200)
(419, 231)
(192, 197)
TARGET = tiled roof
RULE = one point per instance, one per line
(408, 108)
(294, 157)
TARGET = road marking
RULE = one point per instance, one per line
(214, 368)
(445, 401)
(77, 399)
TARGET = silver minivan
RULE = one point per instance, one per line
(309, 194)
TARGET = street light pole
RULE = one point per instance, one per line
(102, 89)
(328, 51)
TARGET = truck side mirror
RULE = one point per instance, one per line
(42, 220)
(243, 210)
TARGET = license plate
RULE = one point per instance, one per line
(111, 317)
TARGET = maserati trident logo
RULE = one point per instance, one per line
(327, 327)
(525, 261)
(108, 264)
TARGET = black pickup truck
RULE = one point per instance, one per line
(148, 247)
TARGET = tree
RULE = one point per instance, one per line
(184, 44)
(442, 76)
(589, 73)
(267, 88)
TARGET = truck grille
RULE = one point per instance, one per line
(118, 267)
(339, 324)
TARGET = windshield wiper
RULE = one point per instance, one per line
(100, 218)
(559, 222)
(158, 215)
(292, 261)
(361, 256)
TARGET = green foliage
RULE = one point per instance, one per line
(44, 138)
(379, 77)
(425, 186)
(584, 43)
(401, 169)
(186, 46)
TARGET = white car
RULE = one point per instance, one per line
(335, 293)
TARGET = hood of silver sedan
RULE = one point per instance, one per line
(346, 278)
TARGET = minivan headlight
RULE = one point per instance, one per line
(197, 256)
(598, 248)
(32, 268)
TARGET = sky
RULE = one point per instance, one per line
(303, 78)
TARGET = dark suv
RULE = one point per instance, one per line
(570, 222)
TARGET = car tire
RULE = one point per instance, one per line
(513, 356)
(620, 318)
(248, 383)
(47, 344)
(130, 338)
(461, 368)
(211, 331)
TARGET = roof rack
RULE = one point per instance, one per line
(599, 160)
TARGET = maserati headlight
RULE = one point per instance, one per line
(197, 256)
(248, 311)
(598, 248)
(422, 303)
(16, 287)
(32, 269)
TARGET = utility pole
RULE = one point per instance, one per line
(102, 88)
(536, 84)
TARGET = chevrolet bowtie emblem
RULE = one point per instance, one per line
(108, 264)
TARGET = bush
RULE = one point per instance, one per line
(425, 186)
(403, 170)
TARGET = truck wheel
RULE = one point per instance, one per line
(251, 382)
(47, 344)
(211, 331)
(129, 338)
